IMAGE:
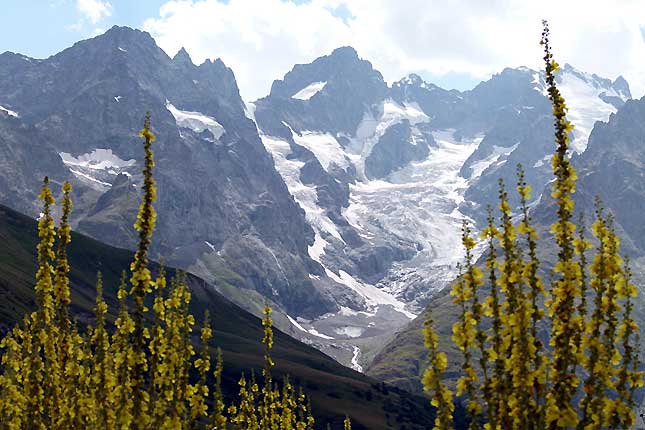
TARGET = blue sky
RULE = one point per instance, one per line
(40, 28)
(452, 43)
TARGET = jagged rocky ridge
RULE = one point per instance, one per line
(224, 212)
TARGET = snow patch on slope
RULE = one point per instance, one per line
(499, 155)
(324, 146)
(98, 167)
(9, 112)
(585, 105)
(296, 324)
(196, 121)
(305, 196)
(317, 249)
(318, 334)
(371, 128)
(374, 297)
(249, 110)
(350, 331)
(357, 355)
(311, 331)
(93, 180)
(98, 159)
(309, 91)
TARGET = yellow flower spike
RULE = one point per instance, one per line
(432, 379)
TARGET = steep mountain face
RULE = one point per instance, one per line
(25, 158)
(224, 212)
(523, 134)
(315, 96)
(611, 168)
(387, 187)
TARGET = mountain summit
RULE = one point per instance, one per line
(213, 168)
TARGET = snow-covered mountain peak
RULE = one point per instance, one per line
(415, 81)
(618, 88)
(342, 70)
(386, 175)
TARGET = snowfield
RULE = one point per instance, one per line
(98, 168)
(582, 92)
(325, 147)
(98, 159)
(9, 112)
(371, 129)
(196, 121)
(496, 158)
(305, 196)
(419, 203)
(309, 91)
(585, 107)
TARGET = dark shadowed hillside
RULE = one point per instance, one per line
(333, 387)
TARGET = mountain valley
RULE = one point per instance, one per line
(338, 197)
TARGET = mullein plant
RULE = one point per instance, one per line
(144, 372)
(585, 377)
(269, 407)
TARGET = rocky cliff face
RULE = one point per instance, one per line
(220, 198)
(25, 158)
(611, 168)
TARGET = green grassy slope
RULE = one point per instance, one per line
(335, 390)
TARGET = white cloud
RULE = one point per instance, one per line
(94, 10)
(262, 39)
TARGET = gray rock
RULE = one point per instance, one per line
(396, 149)
(224, 191)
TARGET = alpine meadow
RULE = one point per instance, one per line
(342, 253)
